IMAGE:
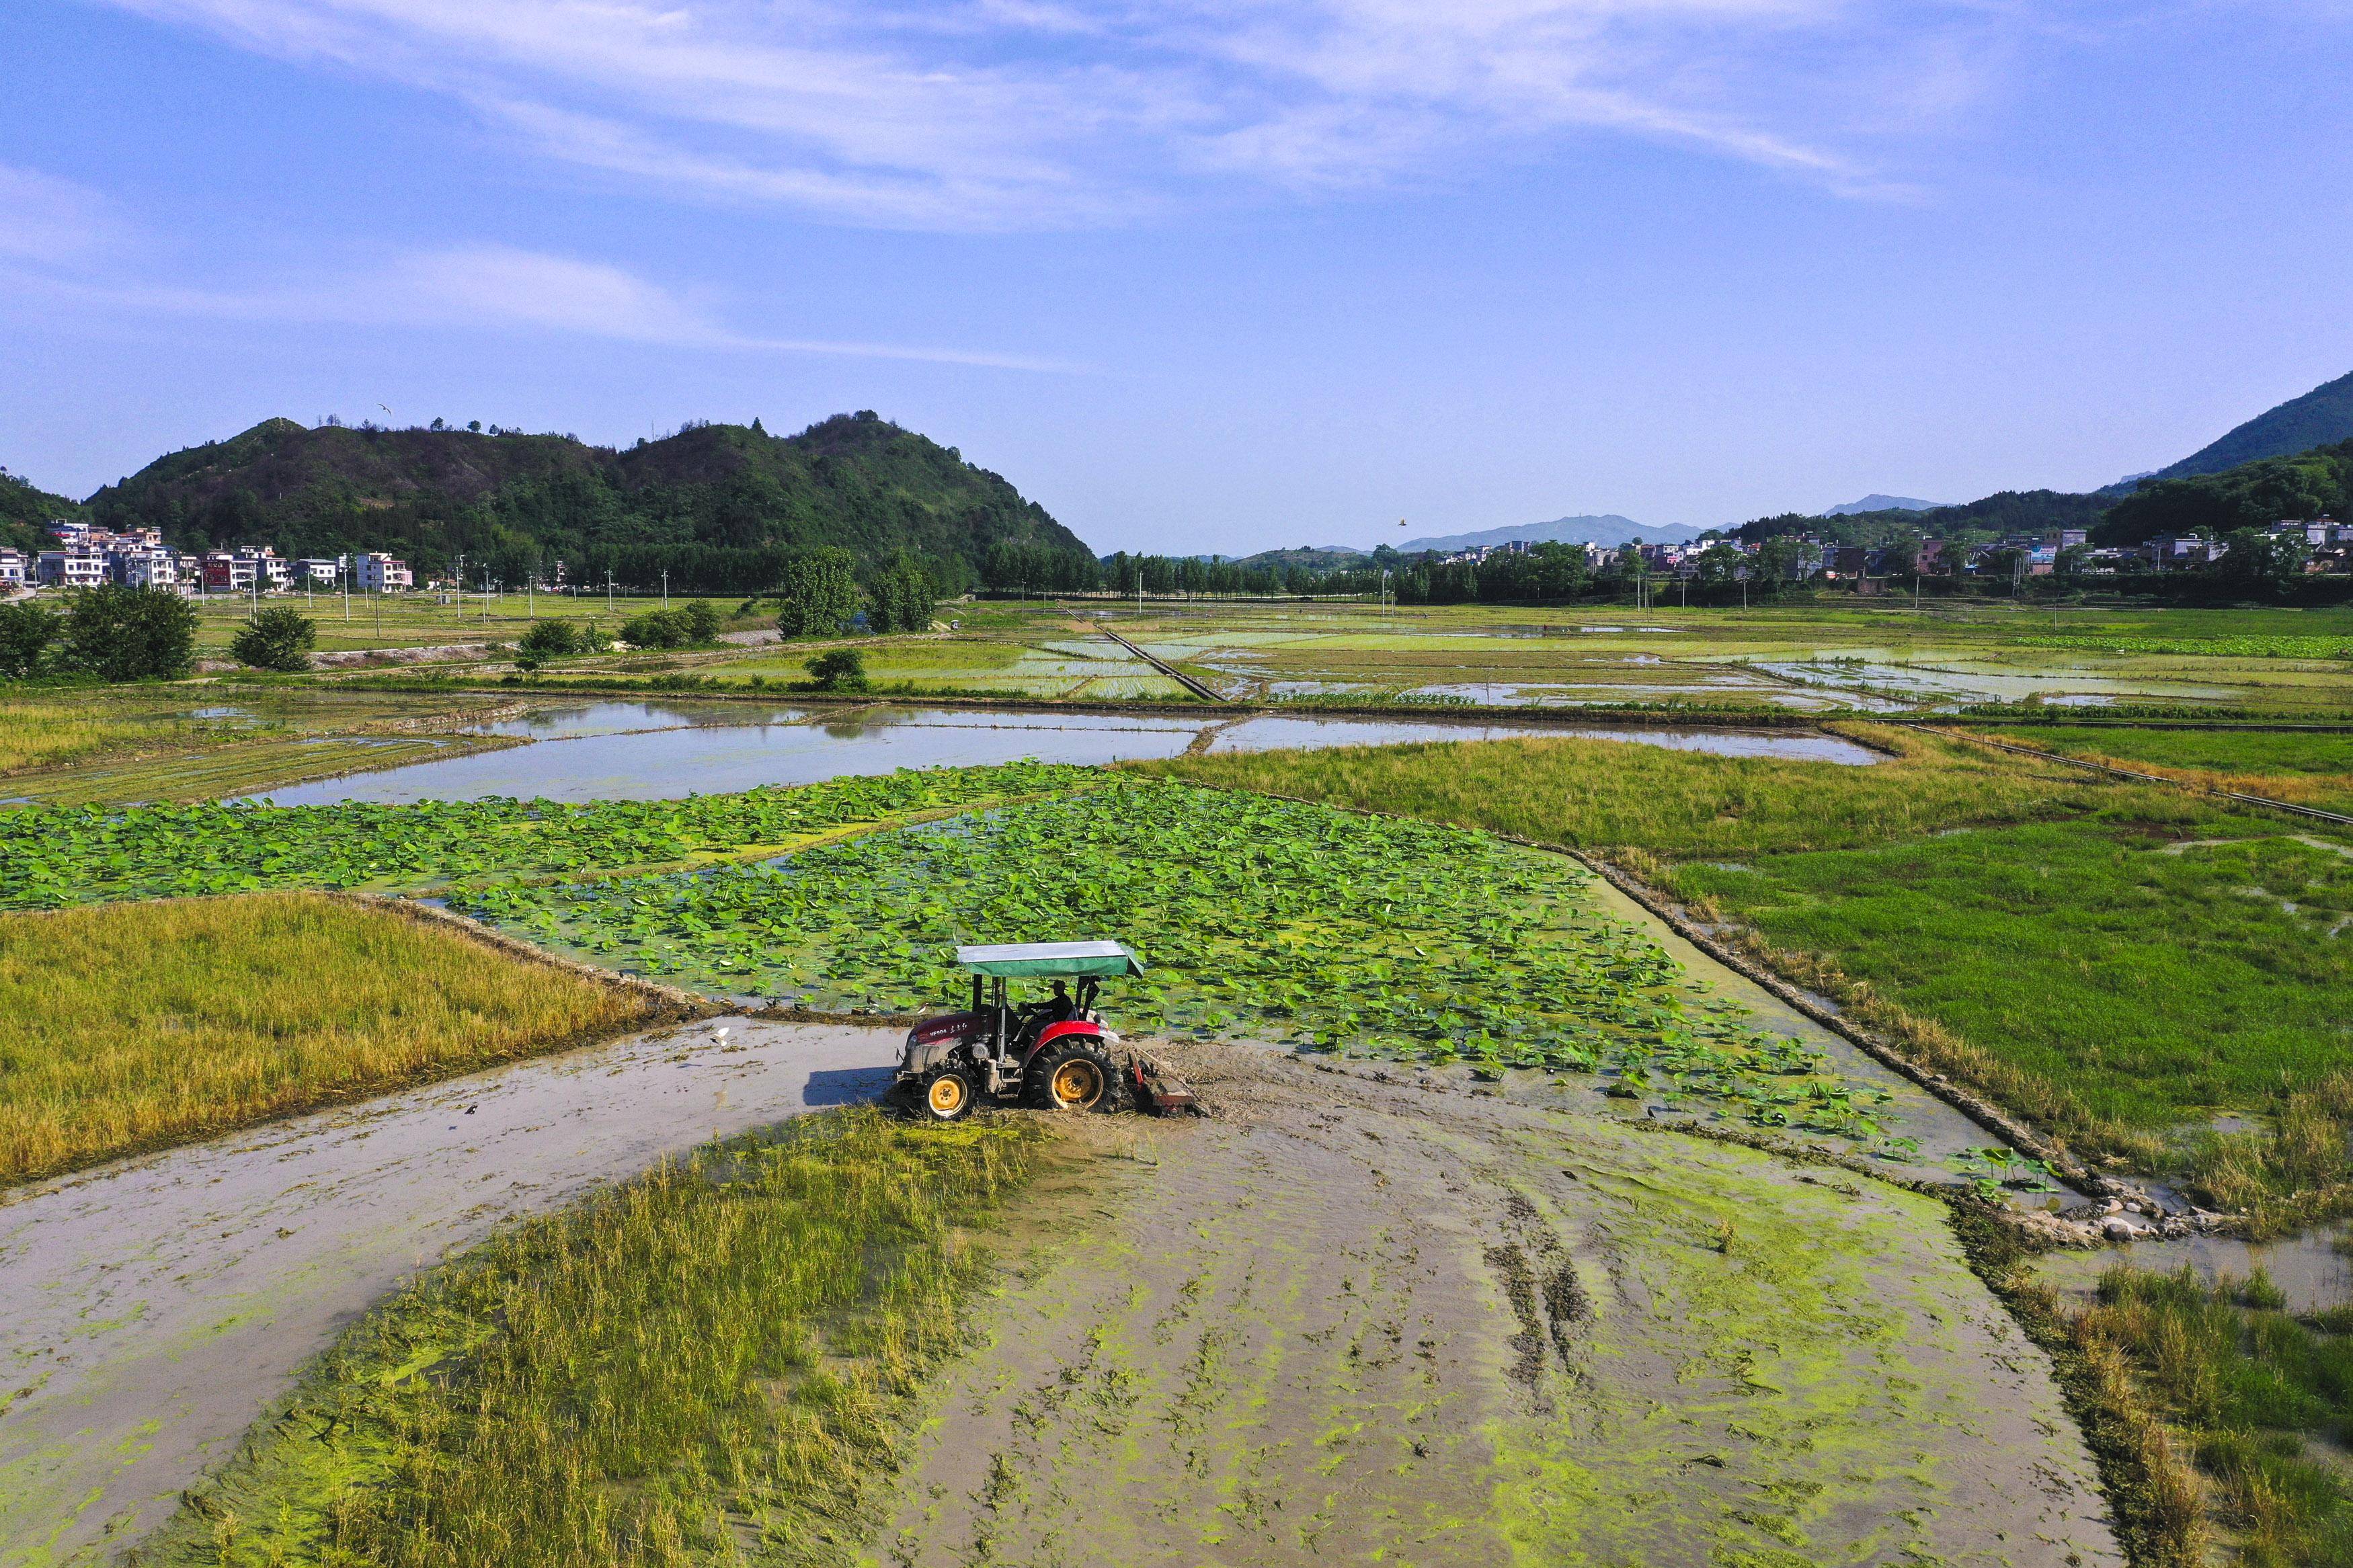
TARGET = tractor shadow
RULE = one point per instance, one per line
(845, 1086)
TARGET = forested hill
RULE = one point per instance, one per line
(720, 507)
(26, 513)
(2319, 419)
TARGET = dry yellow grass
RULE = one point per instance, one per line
(130, 1026)
(68, 727)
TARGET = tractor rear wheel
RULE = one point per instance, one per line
(947, 1094)
(1074, 1075)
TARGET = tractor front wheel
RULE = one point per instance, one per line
(1074, 1075)
(947, 1094)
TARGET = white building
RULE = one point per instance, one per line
(376, 573)
(146, 569)
(12, 569)
(71, 568)
(319, 571)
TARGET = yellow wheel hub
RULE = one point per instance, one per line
(1076, 1083)
(946, 1095)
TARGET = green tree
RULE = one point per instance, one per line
(2262, 561)
(1780, 559)
(701, 621)
(819, 593)
(904, 597)
(26, 633)
(128, 634)
(840, 669)
(280, 638)
(1720, 562)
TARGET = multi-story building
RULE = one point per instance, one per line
(226, 572)
(376, 573)
(12, 569)
(319, 571)
(75, 567)
(146, 568)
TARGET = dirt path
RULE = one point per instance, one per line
(150, 1311)
(1354, 1320)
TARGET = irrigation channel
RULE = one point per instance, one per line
(645, 751)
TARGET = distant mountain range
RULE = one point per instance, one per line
(1876, 503)
(2319, 419)
(1607, 529)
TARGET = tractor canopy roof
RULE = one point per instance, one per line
(1050, 958)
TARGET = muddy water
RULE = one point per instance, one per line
(638, 750)
(1354, 1320)
(150, 1311)
(2313, 1271)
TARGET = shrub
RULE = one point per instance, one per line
(280, 638)
(843, 669)
(26, 633)
(703, 623)
(655, 629)
(129, 634)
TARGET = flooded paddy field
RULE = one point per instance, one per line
(1883, 659)
(1356, 1319)
(650, 750)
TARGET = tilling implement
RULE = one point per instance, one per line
(1052, 1053)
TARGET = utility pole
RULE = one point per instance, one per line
(665, 587)
(608, 591)
(457, 585)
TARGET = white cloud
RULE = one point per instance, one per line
(489, 288)
(993, 113)
(46, 219)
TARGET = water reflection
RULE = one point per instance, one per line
(650, 750)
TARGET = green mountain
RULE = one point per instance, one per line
(26, 513)
(2316, 483)
(2320, 418)
(718, 507)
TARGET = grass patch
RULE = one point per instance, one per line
(716, 1361)
(2251, 1389)
(1608, 793)
(132, 1026)
(2156, 979)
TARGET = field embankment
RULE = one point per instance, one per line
(131, 1026)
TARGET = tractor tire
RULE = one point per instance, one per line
(1074, 1075)
(946, 1094)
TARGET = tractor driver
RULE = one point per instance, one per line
(1059, 1009)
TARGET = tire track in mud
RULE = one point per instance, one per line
(1354, 1318)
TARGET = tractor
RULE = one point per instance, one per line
(1052, 1053)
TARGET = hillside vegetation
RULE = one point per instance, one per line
(718, 507)
(2320, 418)
(25, 510)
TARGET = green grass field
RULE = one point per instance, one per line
(2160, 979)
(133, 1025)
(2068, 944)
(723, 1353)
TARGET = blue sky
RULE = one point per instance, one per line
(1201, 275)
